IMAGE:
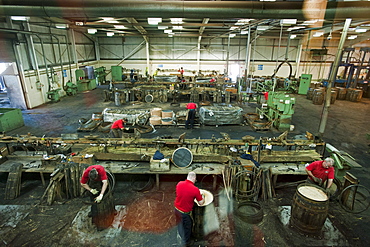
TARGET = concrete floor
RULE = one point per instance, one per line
(346, 130)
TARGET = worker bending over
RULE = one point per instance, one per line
(95, 180)
(117, 128)
(321, 171)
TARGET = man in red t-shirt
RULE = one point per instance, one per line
(190, 117)
(94, 179)
(321, 171)
(186, 192)
(117, 128)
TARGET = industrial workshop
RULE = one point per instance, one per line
(184, 123)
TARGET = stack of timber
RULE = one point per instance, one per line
(64, 183)
(13, 185)
(267, 188)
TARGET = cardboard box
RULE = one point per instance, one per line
(159, 165)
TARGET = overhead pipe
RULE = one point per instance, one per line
(190, 9)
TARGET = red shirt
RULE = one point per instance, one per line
(319, 171)
(119, 124)
(186, 192)
(191, 106)
(102, 175)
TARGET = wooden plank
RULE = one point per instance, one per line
(13, 184)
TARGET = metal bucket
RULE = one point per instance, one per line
(356, 95)
(309, 209)
(342, 93)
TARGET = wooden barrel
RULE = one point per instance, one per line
(333, 96)
(356, 95)
(318, 96)
(349, 93)
(156, 112)
(342, 93)
(167, 121)
(155, 120)
(309, 94)
(167, 114)
(309, 209)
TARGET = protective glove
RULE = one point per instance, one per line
(327, 191)
(317, 180)
(99, 198)
(94, 191)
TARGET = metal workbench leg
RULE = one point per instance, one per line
(214, 181)
(157, 180)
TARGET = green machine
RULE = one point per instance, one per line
(70, 88)
(100, 75)
(117, 72)
(279, 110)
(304, 83)
(84, 84)
(53, 95)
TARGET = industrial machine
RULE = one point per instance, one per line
(279, 110)
(53, 95)
(83, 82)
(304, 83)
(70, 88)
(100, 75)
(117, 72)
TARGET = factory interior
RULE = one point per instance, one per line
(272, 96)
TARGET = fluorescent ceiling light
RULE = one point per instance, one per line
(243, 22)
(170, 35)
(232, 35)
(120, 27)
(267, 0)
(162, 27)
(154, 21)
(262, 28)
(360, 30)
(295, 28)
(61, 25)
(19, 18)
(79, 23)
(243, 32)
(286, 22)
(233, 28)
(176, 20)
(318, 34)
(92, 30)
(293, 36)
(177, 27)
(352, 37)
(113, 21)
(110, 34)
(107, 18)
(167, 31)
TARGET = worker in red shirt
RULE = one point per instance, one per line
(186, 192)
(190, 116)
(117, 128)
(94, 179)
(321, 171)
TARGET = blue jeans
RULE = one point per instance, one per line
(184, 226)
